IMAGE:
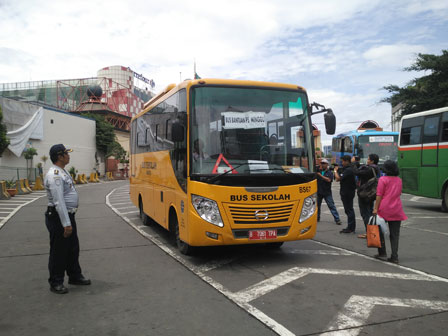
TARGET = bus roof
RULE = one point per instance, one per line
(358, 133)
(425, 113)
(172, 88)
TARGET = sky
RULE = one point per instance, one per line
(341, 51)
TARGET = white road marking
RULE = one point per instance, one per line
(130, 212)
(318, 252)
(262, 288)
(128, 207)
(243, 298)
(259, 315)
(425, 230)
(4, 220)
(357, 309)
(211, 265)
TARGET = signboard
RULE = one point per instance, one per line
(246, 120)
(381, 138)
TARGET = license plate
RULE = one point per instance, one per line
(262, 234)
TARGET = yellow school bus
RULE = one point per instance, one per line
(223, 162)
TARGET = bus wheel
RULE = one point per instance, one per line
(144, 217)
(445, 200)
(275, 245)
(183, 247)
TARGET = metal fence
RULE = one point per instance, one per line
(14, 173)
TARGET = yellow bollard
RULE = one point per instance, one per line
(96, 177)
(26, 184)
(4, 194)
(79, 180)
(38, 184)
(20, 188)
(83, 176)
(92, 178)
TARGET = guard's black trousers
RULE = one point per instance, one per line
(64, 252)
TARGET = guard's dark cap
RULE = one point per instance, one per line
(59, 149)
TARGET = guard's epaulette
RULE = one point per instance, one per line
(56, 172)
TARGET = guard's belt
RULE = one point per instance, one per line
(70, 211)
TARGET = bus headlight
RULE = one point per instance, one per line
(207, 209)
(308, 208)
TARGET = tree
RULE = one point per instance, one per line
(106, 141)
(4, 141)
(424, 93)
(29, 154)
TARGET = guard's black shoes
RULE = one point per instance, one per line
(59, 289)
(79, 281)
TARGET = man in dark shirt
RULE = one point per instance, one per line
(364, 173)
(324, 180)
(347, 191)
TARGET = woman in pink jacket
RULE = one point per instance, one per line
(388, 206)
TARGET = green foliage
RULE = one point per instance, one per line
(29, 153)
(72, 171)
(10, 184)
(424, 93)
(106, 141)
(4, 141)
(44, 158)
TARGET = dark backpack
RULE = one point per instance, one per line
(367, 191)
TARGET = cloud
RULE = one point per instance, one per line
(395, 56)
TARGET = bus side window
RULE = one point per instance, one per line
(410, 135)
(431, 129)
(348, 145)
(411, 130)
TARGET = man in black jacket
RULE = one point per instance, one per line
(347, 191)
(365, 173)
(324, 180)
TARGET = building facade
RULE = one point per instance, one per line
(56, 126)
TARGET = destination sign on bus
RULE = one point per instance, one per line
(234, 120)
(381, 138)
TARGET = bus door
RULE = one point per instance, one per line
(410, 157)
(428, 173)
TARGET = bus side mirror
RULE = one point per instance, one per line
(330, 122)
(177, 133)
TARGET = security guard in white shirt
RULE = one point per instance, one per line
(61, 224)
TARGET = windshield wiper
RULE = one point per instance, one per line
(214, 178)
(261, 169)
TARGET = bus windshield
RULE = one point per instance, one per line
(249, 131)
(385, 146)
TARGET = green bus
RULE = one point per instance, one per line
(423, 154)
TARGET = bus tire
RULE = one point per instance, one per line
(183, 247)
(144, 217)
(445, 199)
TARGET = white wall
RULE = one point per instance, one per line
(73, 131)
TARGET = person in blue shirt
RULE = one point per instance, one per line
(324, 180)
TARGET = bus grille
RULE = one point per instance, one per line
(261, 214)
(410, 179)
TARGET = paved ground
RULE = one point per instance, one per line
(143, 286)
(136, 289)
